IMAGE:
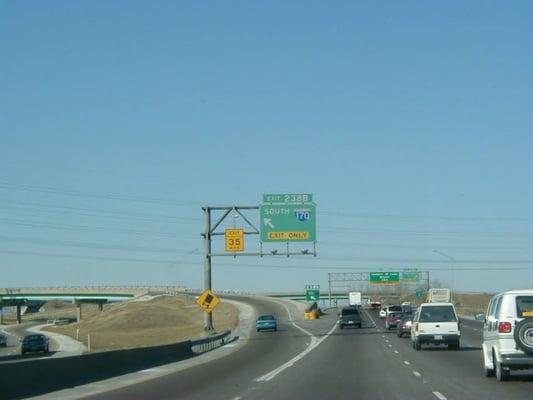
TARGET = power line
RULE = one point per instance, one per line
(352, 259)
(98, 195)
(85, 228)
(400, 246)
(150, 216)
(424, 217)
(99, 246)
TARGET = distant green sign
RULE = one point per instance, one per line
(419, 293)
(312, 295)
(411, 276)
(384, 278)
(287, 198)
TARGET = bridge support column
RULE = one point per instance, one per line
(100, 307)
(78, 312)
(1, 315)
(19, 315)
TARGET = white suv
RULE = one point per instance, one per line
(508, 333)
(435, 323)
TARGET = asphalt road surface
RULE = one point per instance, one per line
(317, 360)
(14, 334)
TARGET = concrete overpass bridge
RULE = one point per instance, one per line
(35, 298)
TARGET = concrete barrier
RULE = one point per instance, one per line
(35, 377)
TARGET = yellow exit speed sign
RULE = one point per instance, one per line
(234, 240)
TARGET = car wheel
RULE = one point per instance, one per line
(275, 329)
(489, 372)
(523, 335)
(418, 346)
(502, 373)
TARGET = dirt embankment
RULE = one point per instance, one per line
(148, 322)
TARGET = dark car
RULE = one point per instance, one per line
(3, 340)
(266, 322)
(350, 316)
(34, 343)
(404, 325)
(392, 320)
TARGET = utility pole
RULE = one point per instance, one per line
(208, 317)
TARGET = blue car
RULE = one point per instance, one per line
(35, 343)
(266, 322)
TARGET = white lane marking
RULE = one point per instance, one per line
(390, 345)
(476, 331)
(407, 363)
(416, 373)
(386, 340)
(382, 336)
(440, 396)
(396, 351)
(374, 325)
(314, 343)
(291, 320)
(237, 398)
(151, 370)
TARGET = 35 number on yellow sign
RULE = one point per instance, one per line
(234, 240)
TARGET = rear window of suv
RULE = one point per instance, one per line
(350, 311)
(524, 306)
(437, 314)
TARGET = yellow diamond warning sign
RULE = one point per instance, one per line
(208, 300)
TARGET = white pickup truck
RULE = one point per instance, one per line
(436, 323)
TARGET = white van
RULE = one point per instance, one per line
(508, 333)
(436, 323)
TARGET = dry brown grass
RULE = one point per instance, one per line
(162, 320)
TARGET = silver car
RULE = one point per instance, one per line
(508, 333)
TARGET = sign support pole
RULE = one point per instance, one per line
(208, 317)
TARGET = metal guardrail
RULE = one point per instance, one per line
(203, 345)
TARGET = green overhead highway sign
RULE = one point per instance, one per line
(384, 278)
(288, 222)
(411, 275)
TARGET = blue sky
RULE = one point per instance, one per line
(410, 123)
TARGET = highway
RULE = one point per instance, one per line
(368, 363)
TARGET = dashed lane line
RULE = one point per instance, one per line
(440, 396)
(396, 351)
(407, 363)
(416, 373)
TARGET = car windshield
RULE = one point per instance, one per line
(524, 306)
(395, 308)
(437, 314)
(266, 318)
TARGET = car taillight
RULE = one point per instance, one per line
(505, 327)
